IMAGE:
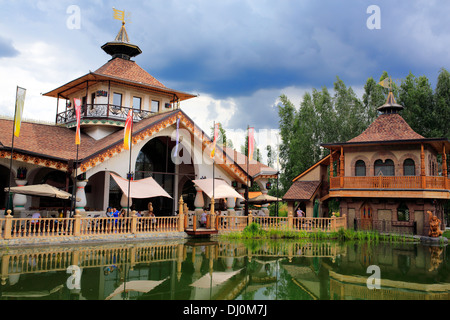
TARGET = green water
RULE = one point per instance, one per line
(230, 270)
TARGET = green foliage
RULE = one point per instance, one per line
(328, 118)
(254, 231)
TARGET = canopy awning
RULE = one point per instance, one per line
(264, 198)
(136, 285)
(221, 189)
(42, 190)
(141, 189)
(217, 278)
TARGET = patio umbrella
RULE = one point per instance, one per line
(217, 278)
(263, 198)
(42, 190)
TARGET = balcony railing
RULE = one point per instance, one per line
(395, 182)
(102, 111)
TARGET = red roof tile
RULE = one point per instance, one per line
(387, 127)
(301, 190)
(44, 140)
(128, 70)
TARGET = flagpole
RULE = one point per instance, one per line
(248, 160)
(129, 166)
(74, 188)
(214, 161)
(11, 160)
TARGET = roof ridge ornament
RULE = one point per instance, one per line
(121, 46)
(390, 106)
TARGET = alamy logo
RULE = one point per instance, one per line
(74, 20)
(374, 281)
(374, 21)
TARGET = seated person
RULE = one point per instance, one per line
(203, 219)
(35, 220)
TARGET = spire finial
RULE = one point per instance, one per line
(121, 46)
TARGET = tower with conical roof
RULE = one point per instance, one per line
(108, 93)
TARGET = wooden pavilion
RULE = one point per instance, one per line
(387, 178)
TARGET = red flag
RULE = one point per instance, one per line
(251, 143)
(77, 103)
(216, 134)
(128, 130)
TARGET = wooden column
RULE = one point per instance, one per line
(331, 165)
(422, 166)
(341, 165)
(444, 167)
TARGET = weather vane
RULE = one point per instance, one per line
(120, 15)
(387, 83)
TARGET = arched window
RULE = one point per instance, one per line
(409, 167)
(402, 212)
(385, 168)
(360, 168)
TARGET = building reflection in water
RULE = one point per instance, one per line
(224, 270)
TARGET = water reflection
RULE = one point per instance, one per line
(225, 270)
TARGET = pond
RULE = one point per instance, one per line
(226, 270)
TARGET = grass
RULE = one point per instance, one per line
(254, 231)
(446, 234)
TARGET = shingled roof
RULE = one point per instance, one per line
(387, 127)
(128, 70)
(57, 142)
(301, 190)
(48, 141)
(43, 142)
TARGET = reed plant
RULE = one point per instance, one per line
(254, 231)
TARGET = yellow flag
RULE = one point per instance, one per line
(386, 83)
(119, 15)
(20, 100)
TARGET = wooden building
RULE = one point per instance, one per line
(46, 153)
(387, 178)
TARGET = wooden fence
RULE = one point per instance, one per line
(238, 223)
(21, 228)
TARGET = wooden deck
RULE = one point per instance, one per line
(200, 232)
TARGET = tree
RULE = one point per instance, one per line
(373, 97)
(416, 95)
(222, 140)
(442, 98)
(256, 152)
(289, 134)
(270, 156)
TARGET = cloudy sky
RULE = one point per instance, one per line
(239, 56)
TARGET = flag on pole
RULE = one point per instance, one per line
(77, 103)
(128, 129)
(216, 134)
(119, 14)
(251, 143)
(20, 99)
